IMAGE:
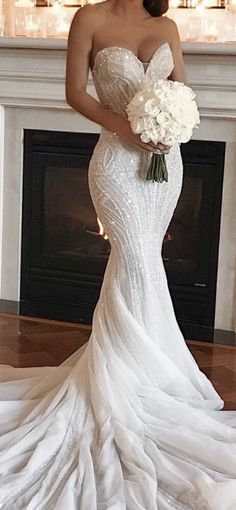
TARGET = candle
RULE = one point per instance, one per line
(2, 19)
(62, 27)
(231, 6)
(211, 34)
(210, 28)
(32, 25)
(174, 4)
(24, 3)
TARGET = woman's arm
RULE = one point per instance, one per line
(77, 69)
(178, 73)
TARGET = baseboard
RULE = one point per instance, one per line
(7, 306)
(222, 336)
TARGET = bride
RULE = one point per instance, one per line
(129, 421)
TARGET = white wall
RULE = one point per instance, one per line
(225, 317)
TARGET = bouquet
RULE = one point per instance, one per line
(163, 111)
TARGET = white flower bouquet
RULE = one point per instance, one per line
(163, 111)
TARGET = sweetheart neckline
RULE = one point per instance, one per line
(132, 53)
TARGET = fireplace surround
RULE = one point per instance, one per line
(63, 256)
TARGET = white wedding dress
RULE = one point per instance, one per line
(129, 421)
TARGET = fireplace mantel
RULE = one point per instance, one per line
(33, 71)
(32, 95)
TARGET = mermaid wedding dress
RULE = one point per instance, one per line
(129, 421)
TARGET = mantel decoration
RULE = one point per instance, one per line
(198, 20)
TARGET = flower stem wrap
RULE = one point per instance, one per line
(157, 171)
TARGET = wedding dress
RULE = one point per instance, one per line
(129, 421)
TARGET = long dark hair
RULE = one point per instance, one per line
(156, 7)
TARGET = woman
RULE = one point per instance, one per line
(129, 421)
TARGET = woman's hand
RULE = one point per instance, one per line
(124, 131)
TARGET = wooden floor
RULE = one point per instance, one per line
(28, 342)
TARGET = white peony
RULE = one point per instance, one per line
(140, 124)
(152, 135)
(151, 107)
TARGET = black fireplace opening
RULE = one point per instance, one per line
(64, 248)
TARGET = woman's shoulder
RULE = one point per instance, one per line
(166, 21)
(169, 23)
(90, 14)
(169, 26)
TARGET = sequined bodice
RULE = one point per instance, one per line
(118, 73)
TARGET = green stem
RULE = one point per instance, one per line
(157, 171)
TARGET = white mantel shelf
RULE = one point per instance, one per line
(32, 96)
(226, 48)
(33, 71)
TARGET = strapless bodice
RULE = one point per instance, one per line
(118, 74)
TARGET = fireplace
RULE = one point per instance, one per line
(64, 250)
